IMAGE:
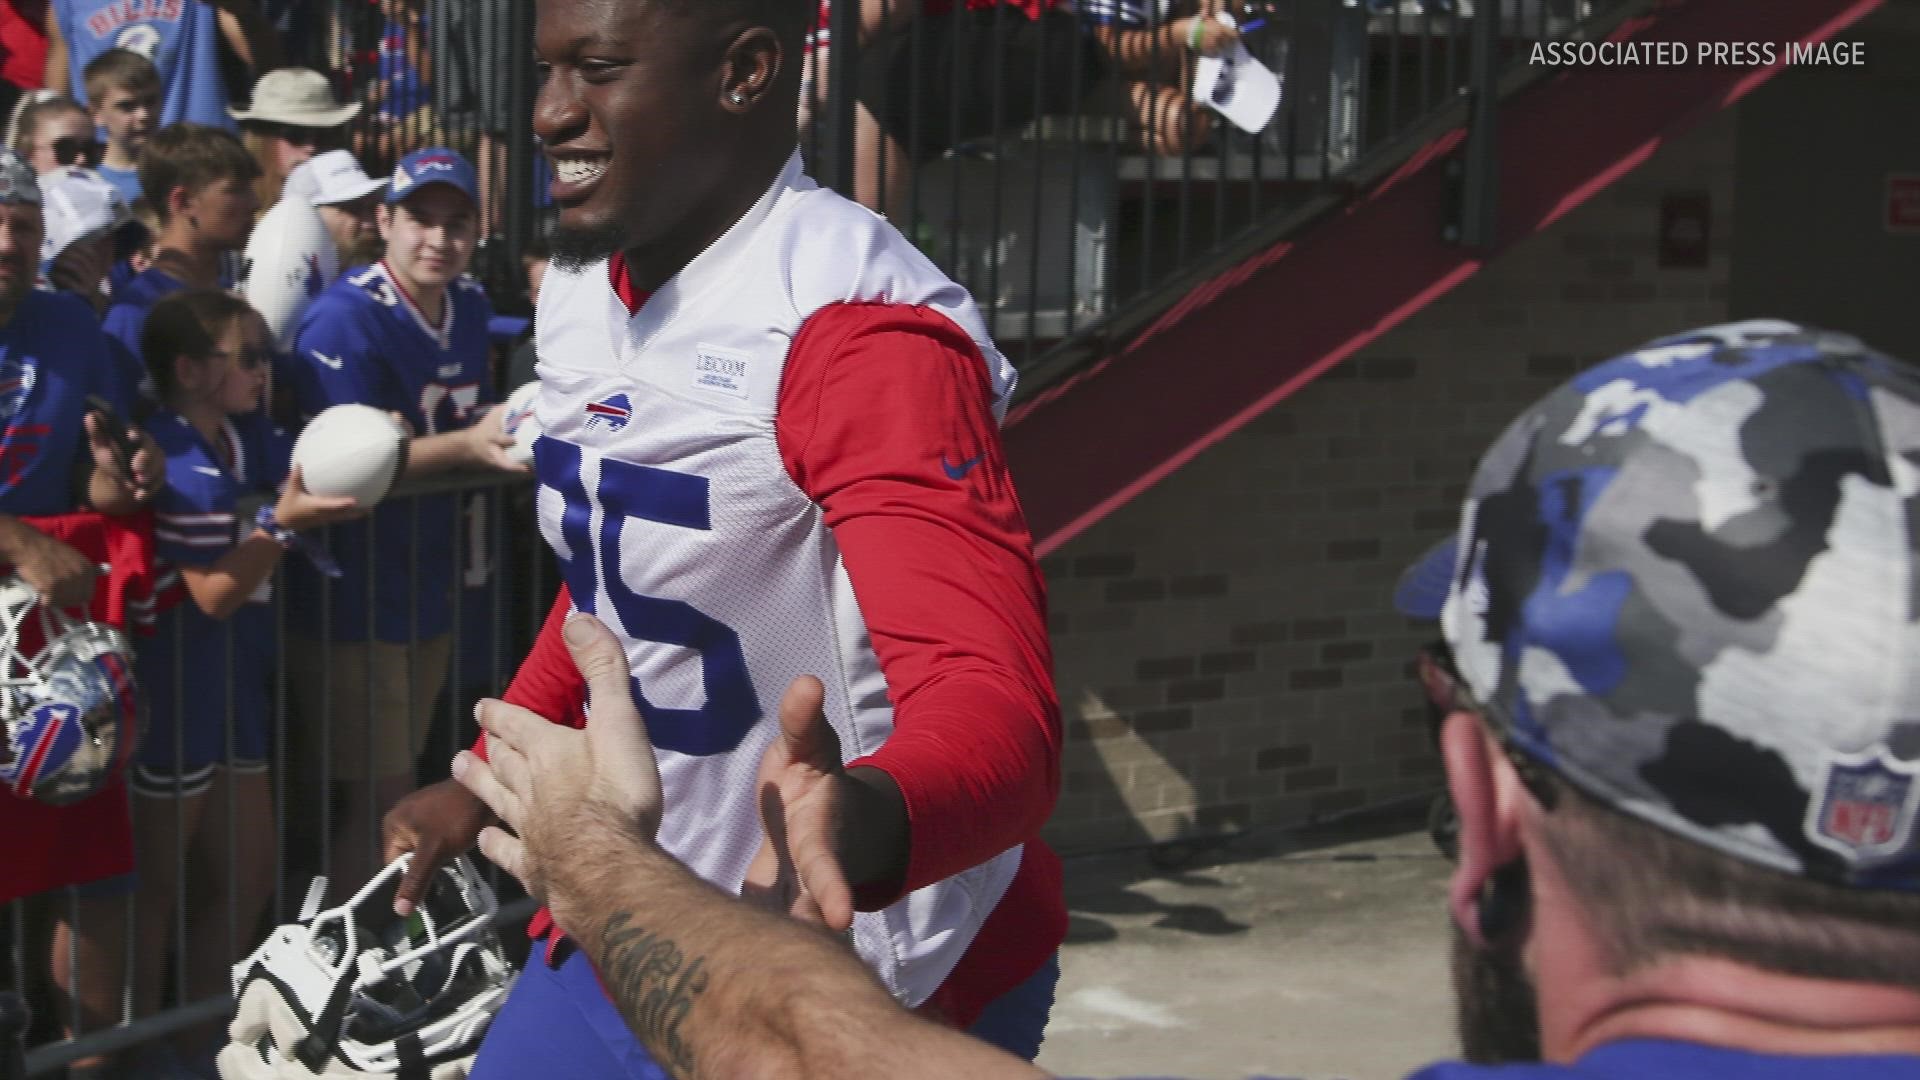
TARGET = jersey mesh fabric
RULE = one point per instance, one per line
(681, 397)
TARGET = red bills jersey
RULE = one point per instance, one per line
(48, 847)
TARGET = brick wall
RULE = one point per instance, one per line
(1226, 647)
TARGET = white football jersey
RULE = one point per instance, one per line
(663, 492)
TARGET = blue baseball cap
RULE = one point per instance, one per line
(434, 165)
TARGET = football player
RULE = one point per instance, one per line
(771, 463)
(408, 335)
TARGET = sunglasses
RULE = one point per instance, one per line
(78, 150)
(292, 134)
(1447, 692)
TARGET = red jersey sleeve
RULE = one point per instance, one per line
(547, 682)
(886, 422)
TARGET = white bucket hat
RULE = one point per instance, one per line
(300, 97)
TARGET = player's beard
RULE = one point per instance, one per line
(1498, 1011)
(576, 249)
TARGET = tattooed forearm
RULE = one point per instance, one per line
(655, 985)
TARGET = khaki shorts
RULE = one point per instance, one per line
(331, 685)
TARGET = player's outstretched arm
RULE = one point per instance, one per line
(712, 986)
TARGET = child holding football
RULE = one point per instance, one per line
(231, 509)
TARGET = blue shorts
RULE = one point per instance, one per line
(165, 768)
(558, 1022)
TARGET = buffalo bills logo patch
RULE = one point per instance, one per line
(39, 742)
(614, 413)
(1866, 807)
(16, 382)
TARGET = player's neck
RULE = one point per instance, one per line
(181, 257)
(656, 264)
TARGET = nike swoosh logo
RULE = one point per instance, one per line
(960, 471)
(206, 470)
(336, 365)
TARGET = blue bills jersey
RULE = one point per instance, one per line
(181, 37)
(206, 681)
(365, 342)
(52, 356)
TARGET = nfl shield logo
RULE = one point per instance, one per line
(1866, 808)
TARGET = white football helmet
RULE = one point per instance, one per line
(356, 991)
(70, 712)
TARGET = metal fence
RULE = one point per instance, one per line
(221, 859)
(1018, 155)
(1064, 207)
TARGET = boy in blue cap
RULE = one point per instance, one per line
(407, 335)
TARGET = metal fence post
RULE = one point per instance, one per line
(843, 44)
(14, 1018)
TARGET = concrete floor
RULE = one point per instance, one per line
(1293, 956)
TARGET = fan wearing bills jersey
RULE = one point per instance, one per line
(182, 38)
(771, 463)
(407, 335)
(54, 459)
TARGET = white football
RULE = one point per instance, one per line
(521, 423)
(352, 450)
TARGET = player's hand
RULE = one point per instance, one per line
(488, 442)
(300, 509)
(149, 472)
(62, 576)
(803, 798)
(1216, 38)
(438, 823)
(545, 779)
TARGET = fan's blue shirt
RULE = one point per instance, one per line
(190, 667)
(363, 341)
(181, 37)
(52, 356)
(126, 320)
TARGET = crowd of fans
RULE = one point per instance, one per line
(189, 235)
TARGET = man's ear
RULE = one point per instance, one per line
(753, 63)
(1487, 797)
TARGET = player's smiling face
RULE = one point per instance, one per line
(631, 119)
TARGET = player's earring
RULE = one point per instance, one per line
(1503, 902)
(737, 98)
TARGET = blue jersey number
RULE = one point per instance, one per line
(669, 498)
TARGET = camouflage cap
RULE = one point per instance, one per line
(1689, 583)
